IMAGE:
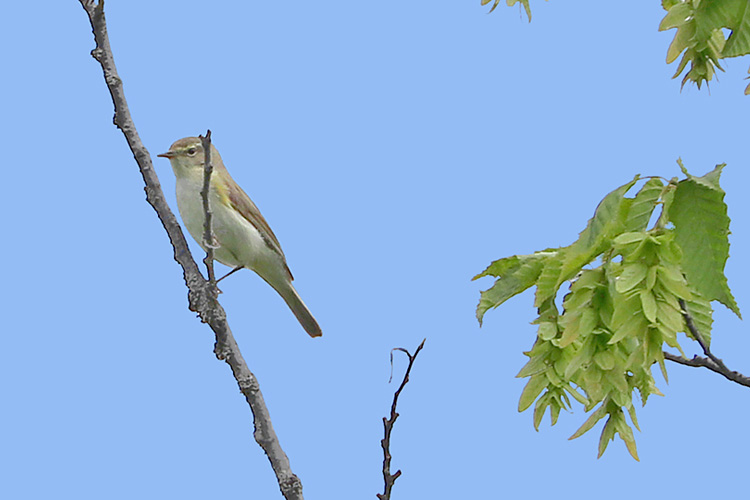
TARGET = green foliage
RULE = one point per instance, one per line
(518, 273)
(618, 316)
(701, 228)
(699, 36)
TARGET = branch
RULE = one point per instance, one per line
(208, 236)
(389, 478)
(202, 295)
(699, 361)
(711, 362)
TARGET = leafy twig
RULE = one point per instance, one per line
(201, 296)
(389, 478)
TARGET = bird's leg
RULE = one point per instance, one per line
(231, 272)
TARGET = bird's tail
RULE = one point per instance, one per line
(300, 310)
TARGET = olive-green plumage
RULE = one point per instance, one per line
(244, 237)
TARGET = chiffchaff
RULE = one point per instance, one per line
(244, 237)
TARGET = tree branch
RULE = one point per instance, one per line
(389, 478)
(202, 294)
(699, 361)
(208, 236)
(711, 362)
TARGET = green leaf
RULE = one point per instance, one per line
(540, 407)
(608, 222)
(643, 205)
(633, 328)
(702, 313)
(515, 274)
(669, 252)
(547, 331)
(618, 397)
(651, 278)
(626, 310)
(648, 302)
(670, 317)
(590, 422)
(608, 434)
(553, 378)
(701, 230)
(630, 238)
(588, 322)
(673, 282)
(699, 33)
(549, 280)
(578, 298)
(584, 355)
(636, 359)
(537, 364)
(605, 360)
(592, 383)
(589, 279)
(554, 412)
(632, 275)
(570, 324)
(677, 15)
(534, 387)
(617, 380)
(682, 40)
(576, 324)
(626, 434)
(735, 15)
(576, 395)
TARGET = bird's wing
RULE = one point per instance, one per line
(241, 202)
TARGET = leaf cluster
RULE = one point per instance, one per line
(617, 317)
(700, 36)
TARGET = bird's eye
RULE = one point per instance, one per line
(192, 151)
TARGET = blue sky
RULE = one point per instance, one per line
(396, 148)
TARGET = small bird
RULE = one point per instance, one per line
(244, 237)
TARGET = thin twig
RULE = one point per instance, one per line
(389, 478)
(208, 236)
(700, 361)
(711, 362)
(201, 298)
(697, 334)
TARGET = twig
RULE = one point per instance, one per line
(697, 334)
(711, 362)
(700, 361)
(389, 478)
(201, 298)
(208, 236)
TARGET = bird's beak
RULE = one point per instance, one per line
(168, 154)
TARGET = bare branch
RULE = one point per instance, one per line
(700, 361)
(389, 478)
(208, 236)
(202, 295)
(711, 362)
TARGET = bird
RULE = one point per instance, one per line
(243, 238)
